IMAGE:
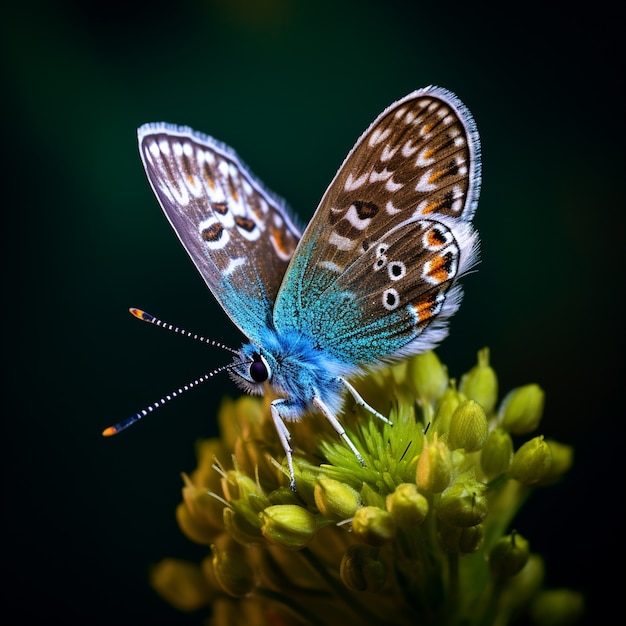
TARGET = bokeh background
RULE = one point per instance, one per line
(290, 85)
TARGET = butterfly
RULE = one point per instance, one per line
(374, 276)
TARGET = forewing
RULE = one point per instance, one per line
(238, 234)
(418, 162)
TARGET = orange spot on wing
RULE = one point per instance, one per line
(438, 269)
(207, 176)
(283, 239)
(423, 309)
(435, 176)
(428, 153)
(433, 235)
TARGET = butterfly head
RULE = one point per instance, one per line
(252, 368)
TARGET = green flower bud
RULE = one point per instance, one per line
(182, 584)
(463, 504)
(288, 525)
(448, 403)
(497, 453)
(434, 467)
(306, 479)
(373, 526)
(282, 495)
(428, 376)
(407, 506)
(531, 463)
(522, 409)
(360, 570)
(193, 527)
(203, 507)
(508, 555)
(557, 607)
(562, 459)
(481, 383)
(458, 540)
(233, 415)
(231, 570)
(207, 450)
(237, 486)
(399, 372)
(241, 528)
(371, 497)
(335, 500)
(468, 427)
(523, 587)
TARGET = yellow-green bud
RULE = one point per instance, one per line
(508, 555)
(497, 453)
(428, 375)
(373, 526)
(360, 570)
(203, 507)
(481, 383)
(468, 427)
(449, 401)
(207, 450)
(306, 478)
(288, 525)
(522, 409)
(531, 463)
(557, 606)
(407, 505)
(231, 570)
(236, 485)
(458, 540)
(181, 583)
(193, 528)
(463, 504)
(519, 590)
(371, 497)
(282, 495)
(434, 467)
(399, 372)
(562, 459)
(336, 500)
(241, 528)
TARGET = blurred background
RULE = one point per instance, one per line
(290, 85)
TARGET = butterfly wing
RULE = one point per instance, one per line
(375, 273)
(238, 234)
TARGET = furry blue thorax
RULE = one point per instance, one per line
(297, 371)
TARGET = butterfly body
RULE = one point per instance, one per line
(373, 278)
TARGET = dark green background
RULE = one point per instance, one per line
(290, 85)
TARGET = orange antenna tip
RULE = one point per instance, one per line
(138, 313)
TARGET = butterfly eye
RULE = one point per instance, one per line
(259, 372)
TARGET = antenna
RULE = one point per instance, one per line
(146, 317)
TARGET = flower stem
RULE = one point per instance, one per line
(298, 609)
(334, 585)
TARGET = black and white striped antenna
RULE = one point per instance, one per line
(146, 317)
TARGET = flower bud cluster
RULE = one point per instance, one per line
(442, 483)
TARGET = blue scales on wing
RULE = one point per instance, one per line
(238, 234)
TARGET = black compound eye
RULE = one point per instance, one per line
(258, 370)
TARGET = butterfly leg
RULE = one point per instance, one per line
(361, 402)
(284, 436)
(322, 408)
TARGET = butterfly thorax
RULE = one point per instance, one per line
(295, 369)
